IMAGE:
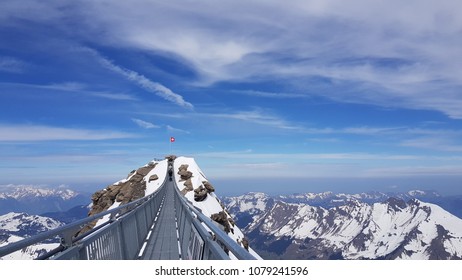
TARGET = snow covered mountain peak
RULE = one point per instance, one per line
(20, 192)
(34, 199)
(194, 185)
(25, 224)
(191, 182)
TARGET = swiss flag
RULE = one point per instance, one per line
(172, 139)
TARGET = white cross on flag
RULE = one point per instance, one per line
(172, 139)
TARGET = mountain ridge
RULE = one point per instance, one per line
(392, 229)
(38, 200)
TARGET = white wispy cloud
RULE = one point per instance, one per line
(393, 53)
(330, 165)
(83, 88)
(366, 130)
(76, 87)
(386, 53)
(172, 129)
(324, 140)
(50, 133)
(13, 65)
(144, 124)
(32, 10)
(167, 115)
(442, 170)
(154, 87)
(257, 116)
(114, 96)
(438, 143)
(280, 157)
(266, 94)
(394, 135)
(66, 86)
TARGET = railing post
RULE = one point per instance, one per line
(186, 210)
(120, 238)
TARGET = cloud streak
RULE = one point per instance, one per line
(144, 124)
(77, 88)
(312, 156)
(172, 129)
(34, 133)
(266, 94)
(12, 65)
(154, 87)
(256, 116)
(82, 88)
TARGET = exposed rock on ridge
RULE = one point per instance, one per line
(201, 193)
(122, 192)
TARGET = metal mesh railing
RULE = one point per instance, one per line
(200, 238)
(119, 238)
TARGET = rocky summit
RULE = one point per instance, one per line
(191, 183)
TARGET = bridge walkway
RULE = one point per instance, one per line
(162, 241)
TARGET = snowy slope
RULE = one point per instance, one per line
(249, 208)
(26, 225)
(17, 226)
(29, 253)
(211, 204)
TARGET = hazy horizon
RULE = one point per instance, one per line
(287, 186)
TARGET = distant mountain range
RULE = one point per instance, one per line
(343, 226)
(33, 200)
(27, 211)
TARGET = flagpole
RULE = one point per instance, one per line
(172, 139)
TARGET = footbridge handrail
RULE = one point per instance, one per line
(199, 243)
(68, 232)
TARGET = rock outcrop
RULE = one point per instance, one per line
(245, 243)
(153, 178)
(170, 157)
(223, 219)
(200, 194)
(185, 176)
(124, 192)
(208, 186)
(184, 173)
(188, 187)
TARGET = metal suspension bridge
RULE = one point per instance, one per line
(161, 226)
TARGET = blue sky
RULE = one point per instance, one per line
(308, 95)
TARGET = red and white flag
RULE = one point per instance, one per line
(172, 139)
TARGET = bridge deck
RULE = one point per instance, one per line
(163, 240)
